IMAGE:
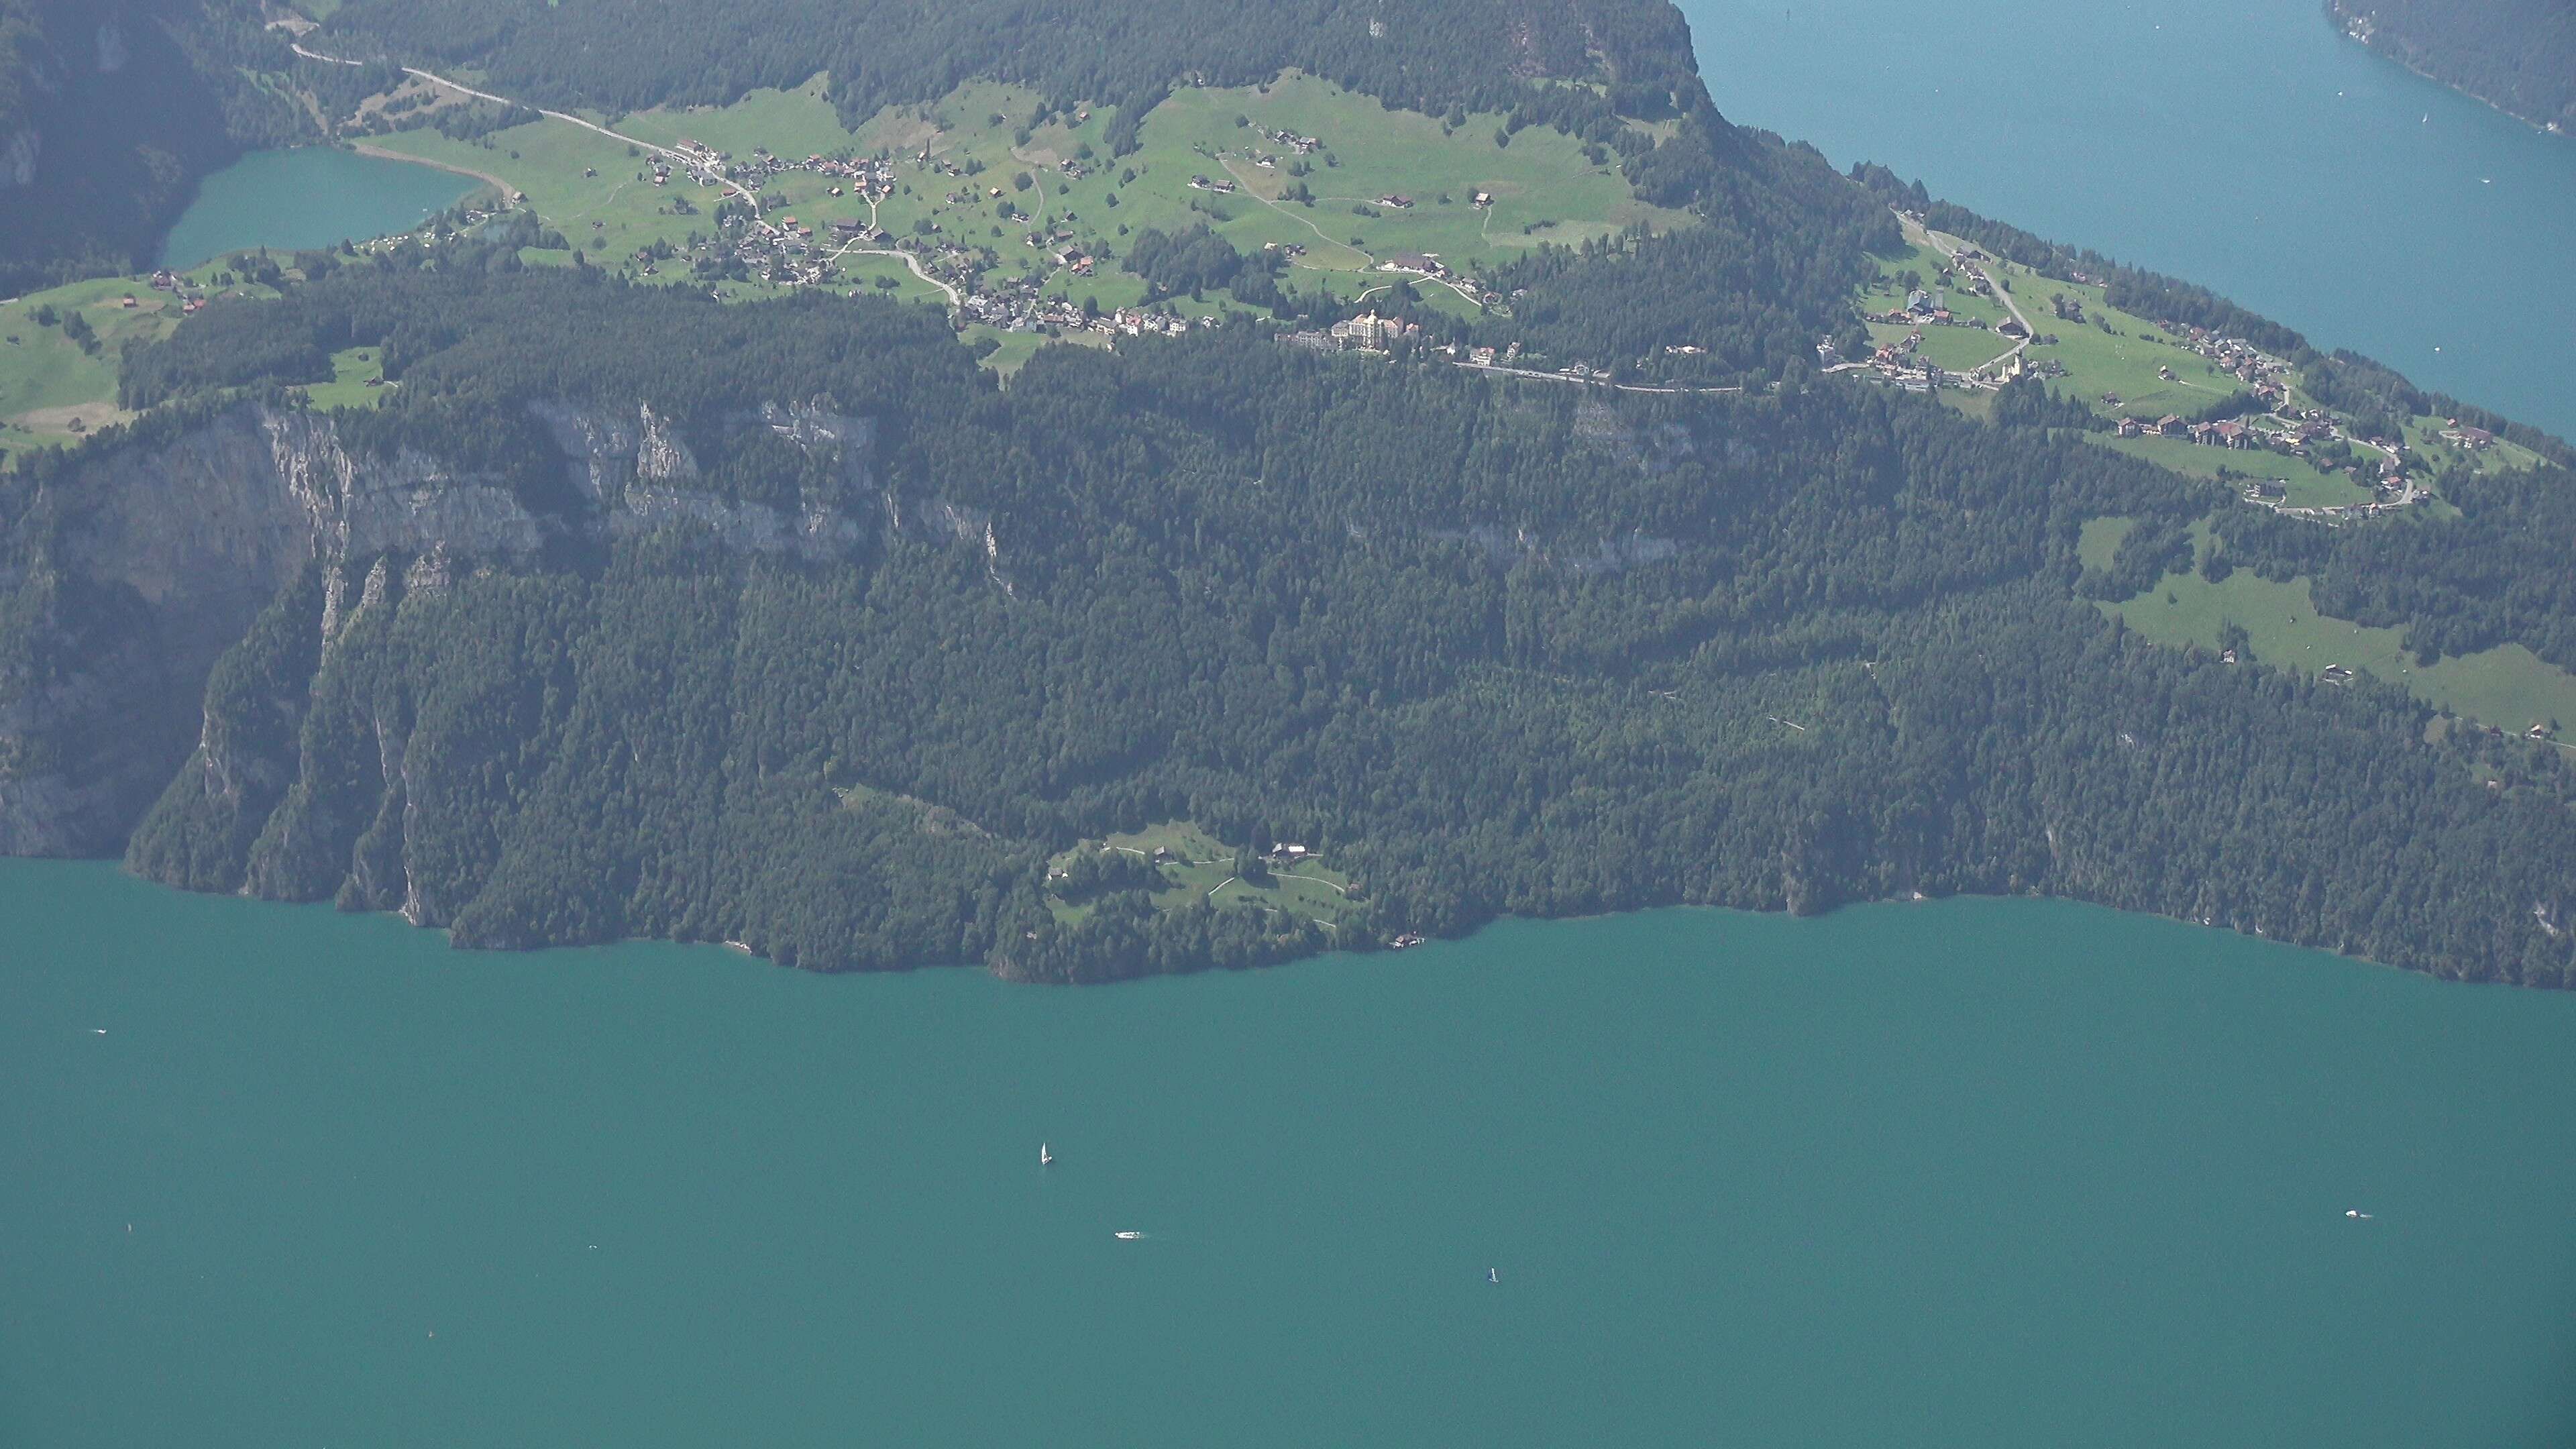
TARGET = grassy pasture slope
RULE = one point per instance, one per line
(1544, 189)
(47, 383)
(1203, 869)
(2509, 686)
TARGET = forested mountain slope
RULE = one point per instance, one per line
(2517, 55)
(109, 111)
(809, 637)
(618, 610)
(1429, 55)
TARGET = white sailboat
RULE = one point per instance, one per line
(1045, 1158)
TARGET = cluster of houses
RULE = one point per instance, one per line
(1920, 306)
(1019, 307)
(2021, 365)
(171, 282)
(2227, 434)
(2237, 357)
(1369, 332)
(867, 178)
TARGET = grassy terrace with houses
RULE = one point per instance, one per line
(58, 376)
(1181, 864)
(1335, 182)
(1943, 304)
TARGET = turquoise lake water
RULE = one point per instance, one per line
(311, 196)
(2241, 144)
(1992, 1173)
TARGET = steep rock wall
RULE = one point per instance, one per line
(158, 559)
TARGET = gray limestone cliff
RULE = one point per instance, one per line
(127, 575)
(18, 157)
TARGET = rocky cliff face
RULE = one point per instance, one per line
(634, 469)
(157, 559)
(18, 155)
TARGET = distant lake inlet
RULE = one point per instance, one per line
(306, 198)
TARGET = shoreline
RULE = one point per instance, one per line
(381, 154)
(2363, 39)
(2340, 950)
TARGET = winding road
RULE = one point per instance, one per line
(1916, 232)
(680, 158)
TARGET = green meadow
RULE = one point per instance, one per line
(52, 390)
(2304, 484)
(1884, 293)
(1957, 349)
(2509, 686)
(1542, 187)
(2098, 542)
(2112, 351)
(353, 369)
(1201, 868)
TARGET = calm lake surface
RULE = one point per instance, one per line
(311, 196)
(1973, 1173)
(2241, 144)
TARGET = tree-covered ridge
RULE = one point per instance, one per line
(1429, 55)
(113, 108)
(2516, 55)
(1493, 646)
(1783, 245)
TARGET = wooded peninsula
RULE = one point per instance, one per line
(1126, 586)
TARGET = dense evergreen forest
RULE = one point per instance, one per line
(1491, 647)
(1770, 270)
(2517, 55)
(1430, 56)
(109, 112)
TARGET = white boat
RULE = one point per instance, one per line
(1045, 1158)
(2356, 1213)
(1129, 1235)
(1493, 1275)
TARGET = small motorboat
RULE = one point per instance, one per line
(1045, 1158)
(1493, 1275)
(2357, 1214)
(1128, 1235)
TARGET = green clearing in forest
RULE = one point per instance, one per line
(1202, 868)
(1954, 349)
(2305, 485)
(352, 369)
(2099, 541)
(2509, 687)
(52, 391)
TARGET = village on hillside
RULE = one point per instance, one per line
(2155, 385)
